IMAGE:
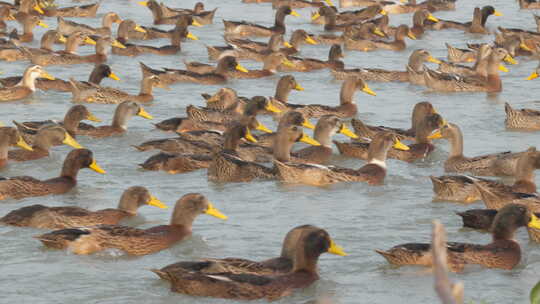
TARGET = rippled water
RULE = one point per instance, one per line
(359, 217)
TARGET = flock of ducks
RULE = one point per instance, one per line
(226, 138)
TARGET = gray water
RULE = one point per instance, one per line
(359, 217)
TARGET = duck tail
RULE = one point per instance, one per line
(508, 108)
(162, 274)
(60, 239)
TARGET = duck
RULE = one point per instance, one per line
(219, 76)
(326, 127)
(521, 119)
(99, 72)
(497, 164)
(47, 41)
(419, 150)
(68, 27)
(10, 137)
(228, 165)
(299, 64)
(476, 26)
(29, 22)
(419, 18)
(180, 33)
(458, 55)
(273, 46)
(420, 111)
(273, 266)
(482, 219)
(20, 187)
(488, 81)
(502, 252)
(224, 100)
(414, 70)
(482, 60)
(298, 38)
(134, 241)
(123, 112)
(347, 107)
(271, 65)
(328, 15)
(71, 121)
(398, 44)
(82, 11)
(184, 124)
(245, 29)
(467, 189)
(25, 9)
(165, 15)
(301, 3)
(83, 92)
(286, 84)
(174, 163)
(102, 46)
(373, 173)
(26, 86)
(312, 242)
(528, 4)
(43, 217)
(46, 137)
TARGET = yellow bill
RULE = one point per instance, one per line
(70, 141)
(525, 47)
(94, 166)
(336, 249)
(310, 40)
(534, 222)
(298, 87)
(114, 76)
(10, 17)
(315, 16)
(308, 140)
(143, 3)
(497, 13)
(400, 146)
(62, 38)
(329, 2)
(432, 18)
(91, 117)
(308, 124)
(211, 210)
(38, 9)
(241, 68)
(411, 35)
(144, 114)
(434, 60)
(287, 45)
(21, 143)
(195, 23)
(271, 108)
(117, 44)
(378, 32)
(435, 135)
(139, 29)
(503, 68)
(294, 13)
(367, 90)
(191, 36)
(288, 63)
(42, 24)
(46, 75)
(347, 132)
(510, 59)
(533, 76)
(383, 12)
(263, 128)
(156, 203)
(250, 136)
(89, 40)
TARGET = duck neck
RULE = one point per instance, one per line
(29, 81)
(416, 63)
(156, 12)
(4, 148)
(107, 21)
(304, 261)
(330, 19)
(456, 143)
(283, 90)
(377, 155)
(347, 91)
(146, 87)
(231, 141)
(42, 143)
(323, 135)
(176, 36)
(525, 169)
(120, 119)
(28, 28)
(296, 39)
(126, 204)
(183, 216)
(72, 44)
(493, 78)
(282, 148)
(47, 42)
(122, 34)
(422, 133)
(279, 22)
(96, 76)
(70, 168)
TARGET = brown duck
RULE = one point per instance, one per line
(123, 112)
(26, 186)
(134, 241)
(39, 216)
(229, 284)
(27, 85)
(502, 252)
(244, 29)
